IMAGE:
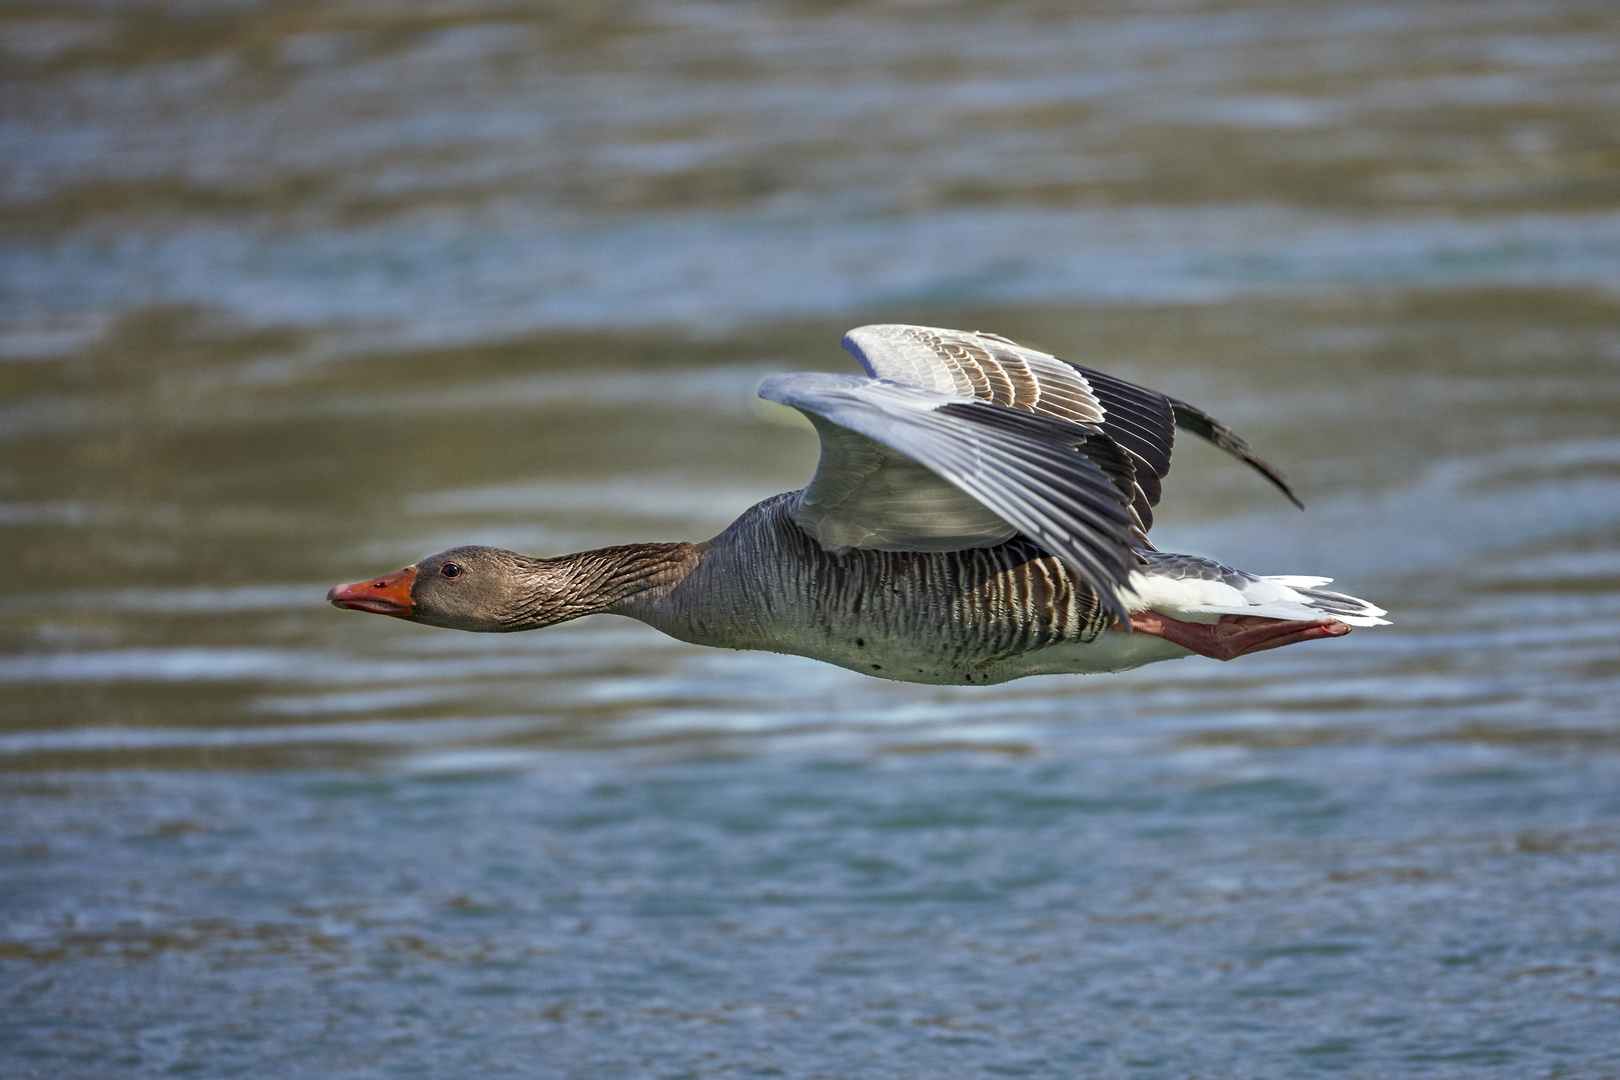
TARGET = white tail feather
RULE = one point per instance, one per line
(1183, 586)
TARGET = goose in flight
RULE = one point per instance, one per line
(980, 512)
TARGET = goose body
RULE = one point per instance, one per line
(980, 513)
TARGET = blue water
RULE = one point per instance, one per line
(1075, 906)
(292, 295)
(518, 270)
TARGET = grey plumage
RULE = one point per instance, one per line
(948, 616)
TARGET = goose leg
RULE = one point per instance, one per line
(1235, 635)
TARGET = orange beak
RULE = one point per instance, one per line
(387, 595)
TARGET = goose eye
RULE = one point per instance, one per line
(450, 569)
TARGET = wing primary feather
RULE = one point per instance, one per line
(1094, 540)
(1141, 416)
(994, 368)
(1109, 456)
(1115, 461)
(1205, 426)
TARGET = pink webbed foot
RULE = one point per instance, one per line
(1235, 635)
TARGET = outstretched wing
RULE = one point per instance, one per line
(909, 468)
(991, 368)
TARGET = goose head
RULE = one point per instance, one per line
(471, 588)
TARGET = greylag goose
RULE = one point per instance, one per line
(980, 513)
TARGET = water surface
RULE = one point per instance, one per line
(293, 294)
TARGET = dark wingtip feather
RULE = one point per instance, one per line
(1205, 426)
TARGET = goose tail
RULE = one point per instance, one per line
(1202, 590)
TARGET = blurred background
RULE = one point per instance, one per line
(296, 292)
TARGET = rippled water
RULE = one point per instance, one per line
(290, 294)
